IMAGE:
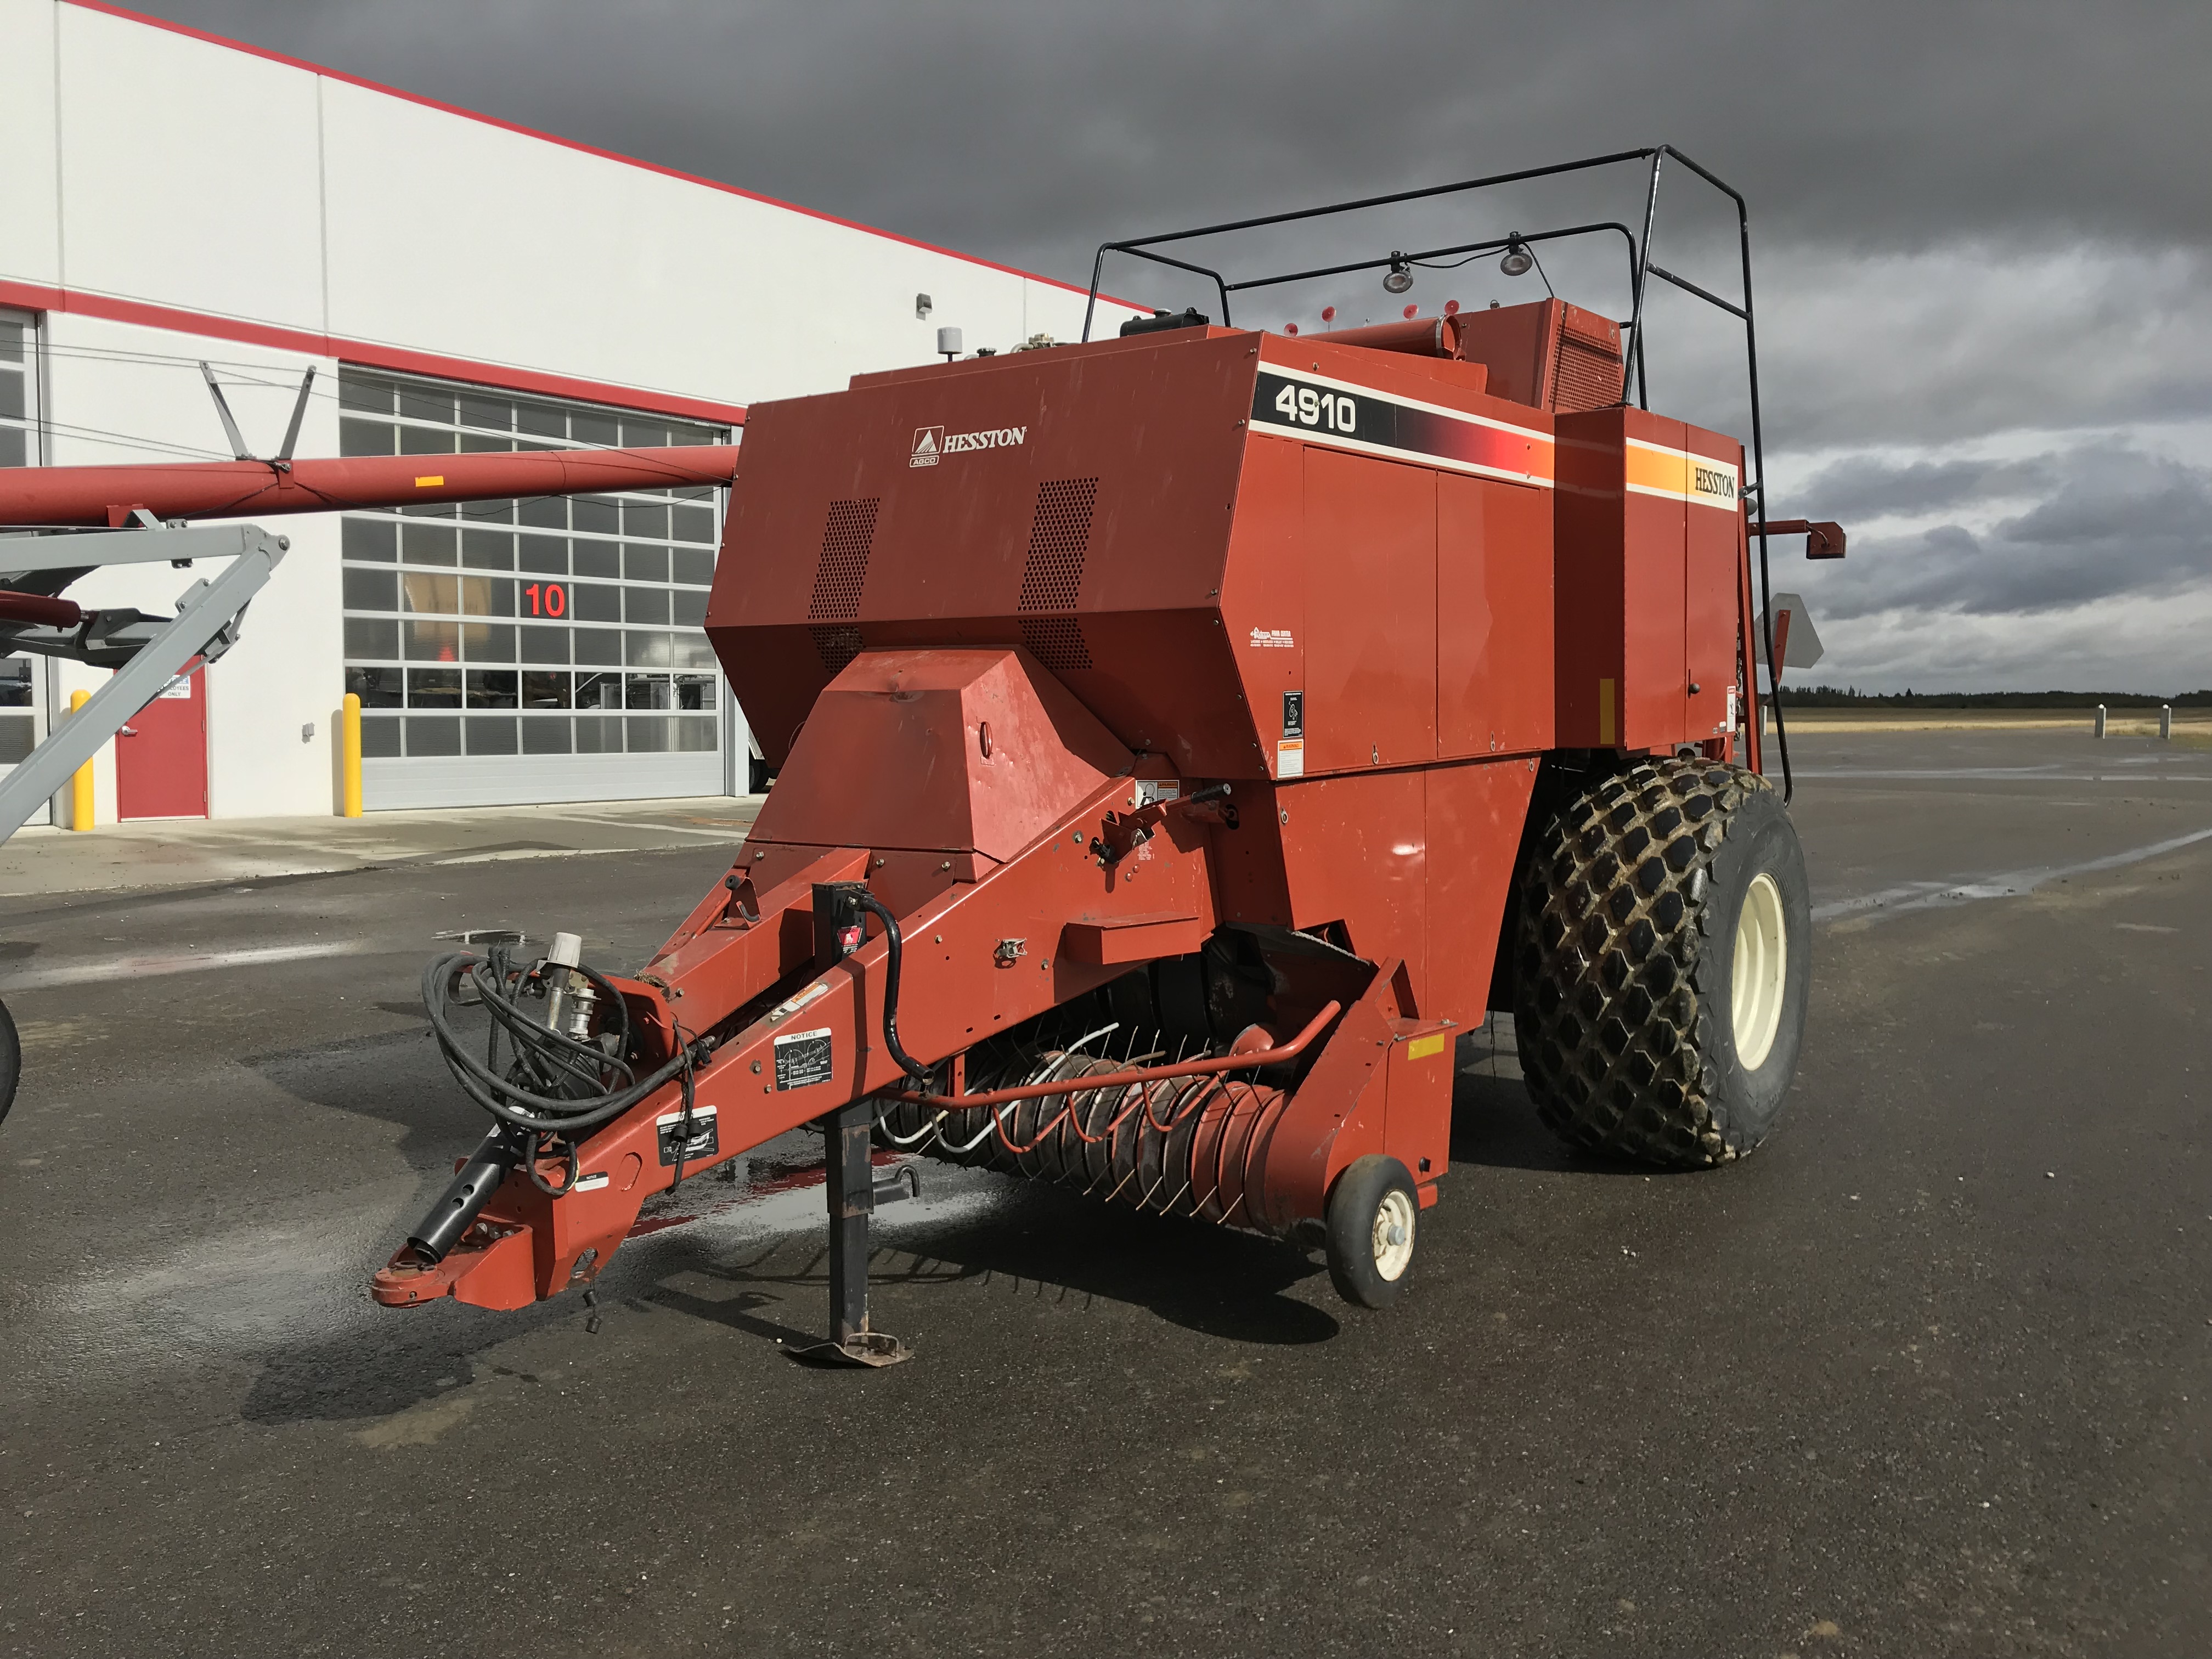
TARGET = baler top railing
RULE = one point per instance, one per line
(1642, 268)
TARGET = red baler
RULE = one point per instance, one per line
(1181, 740)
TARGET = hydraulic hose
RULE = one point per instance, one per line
(553, 1083)
(550, 1090)
(895, 951)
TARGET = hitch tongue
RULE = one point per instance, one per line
(502, 1152)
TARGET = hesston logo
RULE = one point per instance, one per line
(932, 443)
(1712, 481)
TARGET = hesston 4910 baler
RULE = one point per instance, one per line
(1182, 739)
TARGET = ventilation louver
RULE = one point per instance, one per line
(1059, 537)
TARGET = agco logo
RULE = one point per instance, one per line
(932, 443)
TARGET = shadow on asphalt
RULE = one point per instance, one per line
(393, 1077)
(1036, 1242)
(1494, 1125)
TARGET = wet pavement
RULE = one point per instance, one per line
(1927, 1375)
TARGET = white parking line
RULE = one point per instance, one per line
(541, 853)
(1933, 894)
(732, 836)
(192, 961)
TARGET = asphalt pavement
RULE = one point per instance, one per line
(1927, 1374)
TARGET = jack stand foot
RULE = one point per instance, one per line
(873, 1349)
(851, 1189)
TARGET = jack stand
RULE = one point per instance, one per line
(850, 1187)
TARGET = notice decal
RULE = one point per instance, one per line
(1273, 639)
(803, 1059)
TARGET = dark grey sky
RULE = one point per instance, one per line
(1986, 229)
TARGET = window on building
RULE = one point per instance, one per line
(560, 625)
(19, 446)
(19, 411)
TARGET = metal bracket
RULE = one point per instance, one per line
(148, 653)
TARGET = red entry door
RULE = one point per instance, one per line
(161, 754)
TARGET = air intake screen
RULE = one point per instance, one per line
(843, 571)
(1588, 376)
(1060, 536)
(835, 646)
(1057, 642)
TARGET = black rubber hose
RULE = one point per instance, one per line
(906, 1061)
(543, 1059)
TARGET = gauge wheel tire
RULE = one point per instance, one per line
(1663, 949)
(11, 1060)
(1374, 1216)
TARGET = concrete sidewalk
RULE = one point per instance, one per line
(193, 852)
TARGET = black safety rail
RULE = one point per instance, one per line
(1641, 269)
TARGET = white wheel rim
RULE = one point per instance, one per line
(1756, 982)
(1394, 1234)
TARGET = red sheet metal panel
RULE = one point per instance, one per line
(1263, 601)
(1355, 850)
(1475, 817)
(956, 752)
(1714, 556)
(1370, 550)
(1494, 627)
(1077, 502)
(1631, 487)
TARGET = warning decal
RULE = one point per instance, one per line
(803, 1059)
(702, 1143)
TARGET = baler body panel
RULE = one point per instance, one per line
(1075, 501)
(1406, 588)
(1650, 541)
(962, 751)
(1006, 627)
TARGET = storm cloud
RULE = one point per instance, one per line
(1984, 230)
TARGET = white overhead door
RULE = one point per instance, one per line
(541, 650)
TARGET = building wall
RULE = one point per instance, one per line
(167, 198)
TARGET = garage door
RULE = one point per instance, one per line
(541, 650)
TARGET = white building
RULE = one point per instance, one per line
(167, 198)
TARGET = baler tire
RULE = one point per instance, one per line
(1641, 896)
(1367, 1266)
(11, 1059)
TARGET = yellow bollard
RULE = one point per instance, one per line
(80, 785)
(349, 736)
